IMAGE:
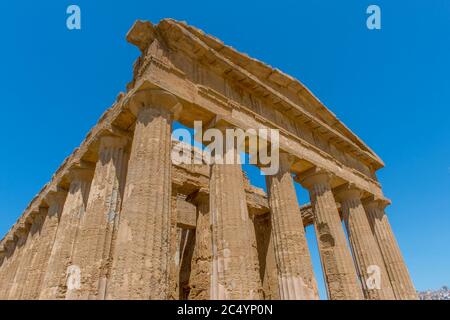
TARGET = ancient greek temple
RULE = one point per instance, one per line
(120, 220)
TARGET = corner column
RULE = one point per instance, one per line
(60, 275)
(40, 259)
(338, 267)
(369, 262)
(401, 282)
(141, 259)
(92, 254)
(296, 279)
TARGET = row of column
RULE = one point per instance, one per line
(374, 269)
(80, 247)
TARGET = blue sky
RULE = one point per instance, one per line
(391, 87)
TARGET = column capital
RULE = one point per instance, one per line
(373, 202)
(314, 176)
(32, 216)
(346, 192)
(55, 197)
(286, 160)
(21, 231)
(156, 98)
(108, 141)
(9, 244)
(2, 251)
(81, 174)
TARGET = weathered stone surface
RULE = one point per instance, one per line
(54, 285)
(25, 265)
(234, 275)
(364, 247)
(296, 279)
(21, 235)
(39, 263)
(395, 265)
(199, 281)
(266, 256)
(14, 248)
(7, 274)
(186, 214)
(98, 226)
(174, 248)
(141, 258)
(337, 263)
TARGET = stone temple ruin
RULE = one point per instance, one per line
(119, 220)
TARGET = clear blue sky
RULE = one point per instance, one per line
(391, 87)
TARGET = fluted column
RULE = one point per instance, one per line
(338, 267)
(10, 248)
(234, 272)
(369, 262)
(202, 256)
(59, 273)
(21, 235)
(174, 248)
(19, 285)
(3, 262)
(296, 279)
(2, 256)
(400, 279)
(262, 227)
(141, 258)
(41, 255)
(98, 227)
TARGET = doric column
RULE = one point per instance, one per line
(235, 274)
(401, 282)
(9, 248)
(338, 267)
(202, 256)
(2, 256)
(174, 248)
(369, 262)
(35, 220)
(266, 256)
(3, 263)
(92, 254)
(296, 279)
(59, 273)
(21, 236)
(41, 255)
(141, 258)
